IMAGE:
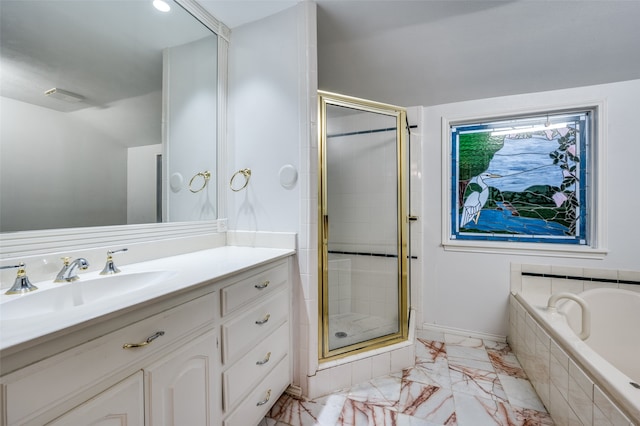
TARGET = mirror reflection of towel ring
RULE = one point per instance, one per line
(206, 175)
(247, 175)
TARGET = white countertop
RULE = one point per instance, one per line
(191, 270)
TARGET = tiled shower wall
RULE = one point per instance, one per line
(340, 294)
(363, 285)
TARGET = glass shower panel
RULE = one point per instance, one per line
(362, 216)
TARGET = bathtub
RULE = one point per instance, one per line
(615, 327)
(595, 381)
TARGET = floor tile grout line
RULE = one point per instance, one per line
(506, 401)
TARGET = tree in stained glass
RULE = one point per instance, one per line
(521, 180)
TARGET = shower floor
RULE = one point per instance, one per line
(358, 328)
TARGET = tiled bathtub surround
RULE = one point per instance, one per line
(572, 395)
(566, 390)
(538, 282)
(455, 381)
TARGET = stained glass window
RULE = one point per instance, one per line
(522, 179)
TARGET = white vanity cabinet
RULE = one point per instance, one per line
(182, 386)
(256, 344)
(80, 380)
(220, 358)
(121, 404)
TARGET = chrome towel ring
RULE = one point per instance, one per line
(247, 175)
(206, 175)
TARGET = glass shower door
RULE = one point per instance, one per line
(363, 227)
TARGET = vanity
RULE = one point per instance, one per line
(207, 343)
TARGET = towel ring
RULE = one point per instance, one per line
(206, 175)
(247, 175)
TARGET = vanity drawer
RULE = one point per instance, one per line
(254, 366)
(240, 293)
(262, 398)
(77, 373)
(241, 333)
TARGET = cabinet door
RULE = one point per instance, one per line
(182, 386)
(121, 404)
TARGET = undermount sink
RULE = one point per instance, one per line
(79, 293)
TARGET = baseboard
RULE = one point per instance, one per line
(465, 333)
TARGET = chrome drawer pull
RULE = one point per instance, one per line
(265, 360)
(145, 343)
(264, 401)
(264, 320)
(261, 286)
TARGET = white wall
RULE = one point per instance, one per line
(264, 122)
(51, 162)
(469, 291)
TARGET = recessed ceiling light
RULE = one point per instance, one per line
(161, 5)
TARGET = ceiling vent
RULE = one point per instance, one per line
(63, 95)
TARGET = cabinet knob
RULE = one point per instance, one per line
(261, 286)
(264, 401)
(263, 320)
(145, 343)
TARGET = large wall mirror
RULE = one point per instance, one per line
(109, 113)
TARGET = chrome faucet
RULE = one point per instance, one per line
(110, 267)
(22, 284)
(68, 272)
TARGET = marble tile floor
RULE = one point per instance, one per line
(455, 381)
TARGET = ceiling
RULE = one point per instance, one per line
(416, 52)
(427, 52)
(90, 48)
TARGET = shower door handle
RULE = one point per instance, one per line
(325, 228)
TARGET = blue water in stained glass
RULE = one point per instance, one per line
(523, 163)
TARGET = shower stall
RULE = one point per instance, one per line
(363, 228)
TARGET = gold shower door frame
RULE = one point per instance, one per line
(399, 113)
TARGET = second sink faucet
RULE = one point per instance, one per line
(68, 272)
(110, 267)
